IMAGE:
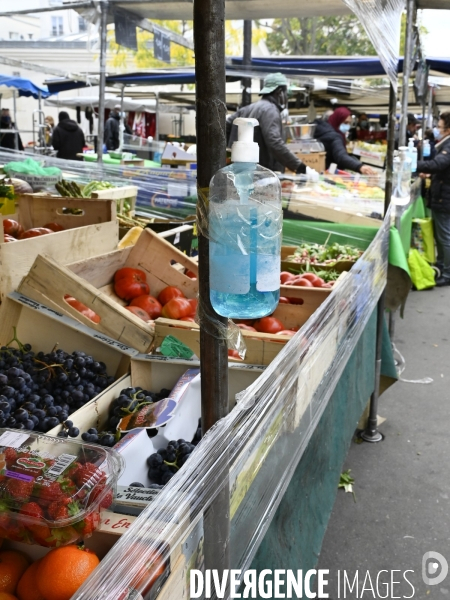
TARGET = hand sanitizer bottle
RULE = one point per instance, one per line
(245, 231)
(412, 151)
(426, 148)
(401, 177)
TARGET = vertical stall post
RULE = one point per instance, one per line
(410, 18)
(246, 62)
(209, 41)
(16, 135)
(122, 120)
(103, 6)
(371, 433)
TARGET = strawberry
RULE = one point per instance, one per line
(62, 510)
(20, 490)
(47, 492)
(10, 456)
(88, 474)
(107, 499)
(89, 524)
(40, 532)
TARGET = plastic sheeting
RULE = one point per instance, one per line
(252, 453)
(381, 20)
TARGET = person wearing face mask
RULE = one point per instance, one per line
(112, 129)
(439, 170)
(332, 134)
(273, 152)
(360, 128)
(8, 140)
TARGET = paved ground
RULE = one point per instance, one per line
(402, 487)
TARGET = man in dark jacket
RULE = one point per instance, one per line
(9, 140)
(439, 168)
(68, 138)
(112, 129)
(273, 152)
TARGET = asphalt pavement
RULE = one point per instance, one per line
(402, 484)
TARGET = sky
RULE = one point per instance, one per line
(437, 22)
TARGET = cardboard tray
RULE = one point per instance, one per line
(93, 232)
(91, 282)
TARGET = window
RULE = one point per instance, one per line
(13, 35)
(30, 36)
(16, 73)
(82, 25)
(57, 26)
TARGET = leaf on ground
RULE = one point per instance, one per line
(346, 482)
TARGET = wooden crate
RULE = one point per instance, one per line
(262, 348)
(93, 232)
(127, 192)
(91, 282)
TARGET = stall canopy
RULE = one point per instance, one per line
(155, 77)
(25, 87)
(111, 102)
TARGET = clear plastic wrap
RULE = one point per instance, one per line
(382, 20)
(253, 452)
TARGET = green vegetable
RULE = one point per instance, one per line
(346, 482)
(95, 186)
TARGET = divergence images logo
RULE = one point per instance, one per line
(434, 568)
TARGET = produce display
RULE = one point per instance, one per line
(131, 285)
(51, 491)
(14, 231)
(71, 189)
(56, 576)
(38, 391)
(322, 254)
(166, 462)
(319, 279)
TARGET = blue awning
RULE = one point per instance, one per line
(25, 87)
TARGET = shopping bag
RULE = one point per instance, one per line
(423, 238)
(422, 275)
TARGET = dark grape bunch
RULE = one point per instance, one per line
(165, 463)
(152, 486)
(69, 430)
(130, 400)
(38, 391)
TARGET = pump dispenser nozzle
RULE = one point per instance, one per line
(245, 149)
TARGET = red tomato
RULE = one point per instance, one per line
(139, 312)
(303, 282)
(148, 303)
(54, 227)
(269, 325)
(194, 303)
(12, 228)
(246, 327)
(9, 238)
(245, 321)
(188, 319)
(130, 283)
(327, 285)
(234, 354)
(286, 332)
(190, 274)
(35, 232)
(168, 293)
(311, 276)
(177, 308)
(296, 300)
(283, 300)
(82, 308)
(286, 276)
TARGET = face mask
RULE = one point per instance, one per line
(6, 120)
(437, 133)
(284, 115)
(344, 127)
(364, 123)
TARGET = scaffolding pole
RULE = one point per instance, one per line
(103, 6)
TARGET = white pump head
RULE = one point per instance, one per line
(245, 149)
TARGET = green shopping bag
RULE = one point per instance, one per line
(422, 238)
(422, 275)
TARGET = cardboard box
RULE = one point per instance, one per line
(315, 160)
(93, 232)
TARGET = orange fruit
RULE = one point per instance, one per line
(63, 570)
(6, 596)
(26, 588)
(13, 565)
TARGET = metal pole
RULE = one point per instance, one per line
(103, 6)
(16, 135)
(157, 118)
(410, 17)
(122, 121)
(371, 433)
(246, 62)
(209, 41)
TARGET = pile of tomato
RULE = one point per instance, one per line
(304, 280)
(13, 230)
(131, 285)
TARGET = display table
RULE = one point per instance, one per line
(108, 160)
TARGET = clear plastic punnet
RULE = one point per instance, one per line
(52, 489)
(246, 461)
